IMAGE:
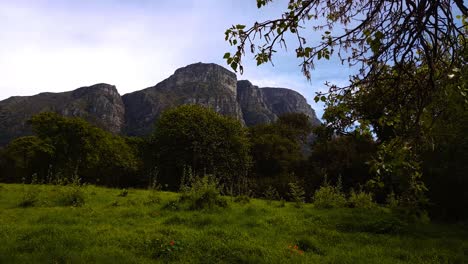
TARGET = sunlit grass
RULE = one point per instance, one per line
(109, 228)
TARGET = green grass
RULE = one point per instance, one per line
(139, 228)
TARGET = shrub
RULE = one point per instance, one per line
(203, 193)
(329, 197)
(360, 200)
(271, 194)
(296, 192)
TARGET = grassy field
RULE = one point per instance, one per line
(37, 225)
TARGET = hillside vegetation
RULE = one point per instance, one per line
(88, 224)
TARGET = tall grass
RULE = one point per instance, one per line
(138, 231)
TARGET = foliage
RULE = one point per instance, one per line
(271, 194)
(397, 170)
(67, 147)
(363, 33)
(27, 156)
(203, 193)
(195, 136)
(278, 151)
(296, 193)
(409, 91)
(343, 156)
(328, 196)
(360, 200)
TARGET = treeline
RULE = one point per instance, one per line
(190, 140)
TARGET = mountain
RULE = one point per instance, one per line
(209, 85)
(100, 104)
(264, 105)
(134, 114)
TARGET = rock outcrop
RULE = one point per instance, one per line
(100, 104)
(282, 101)
(264, 105)
(252, 102)
(209, 85)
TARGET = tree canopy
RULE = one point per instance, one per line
(367, 33)
(195, 138)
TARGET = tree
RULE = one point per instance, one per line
(277, 151)
(26, 158)
(342, 157)
(80, 149)
(367, 33)
(195, 138)
(409, 55)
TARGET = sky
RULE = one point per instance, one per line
(61, 45)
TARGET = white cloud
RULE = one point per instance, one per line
(60, 45)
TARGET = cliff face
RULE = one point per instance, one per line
(209, 85)
(264, 105)
(282, 101)
(100, 104)
(134, 114)
(252, 102)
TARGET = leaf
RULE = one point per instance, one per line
(234, 66)
(226, 55)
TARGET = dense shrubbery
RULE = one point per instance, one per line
(202, 193)
(329, 196)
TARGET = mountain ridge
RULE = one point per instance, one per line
(134, 113)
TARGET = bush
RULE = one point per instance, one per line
(329, 197)
(296, 192)
(271, 194)
(203, 193)
(360, 200)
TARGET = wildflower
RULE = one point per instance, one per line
(172, 243)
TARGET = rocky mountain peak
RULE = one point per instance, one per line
(283, 100)
(206, 72)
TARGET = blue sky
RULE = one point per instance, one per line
(60, 45)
